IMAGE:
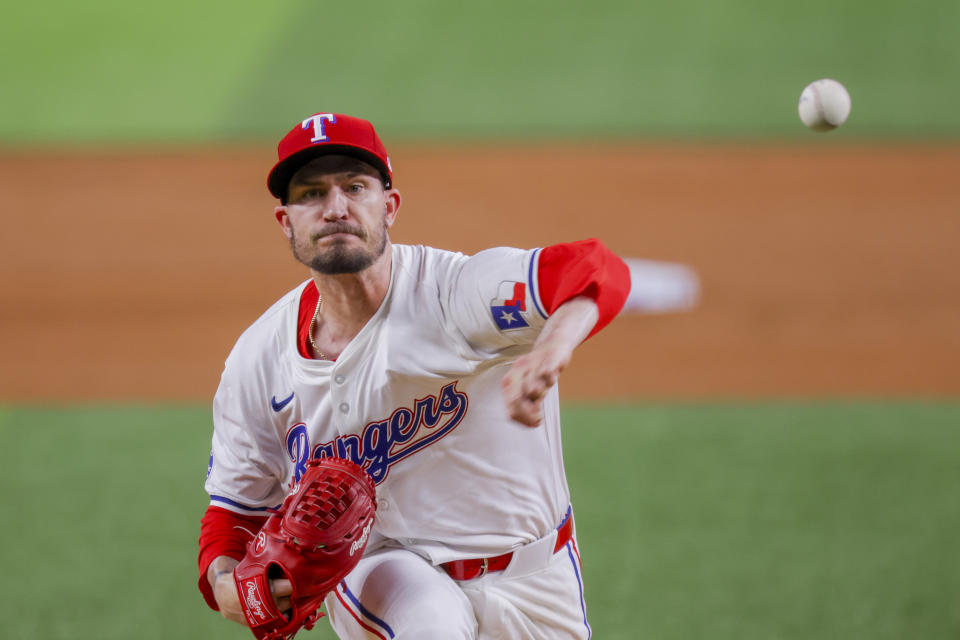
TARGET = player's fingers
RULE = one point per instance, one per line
(283, 604)
(537, 396)
(537, 386)
(534, 415)
(280, 587)
(511, 393)
(533, 381)
(517, 386)
(533, 389)
(527, 412)
(514, 377)
(549, 378)
(543, 372)
(524, 387)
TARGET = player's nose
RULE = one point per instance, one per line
(335, 205)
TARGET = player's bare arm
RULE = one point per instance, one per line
(220, 576)
(532, 375)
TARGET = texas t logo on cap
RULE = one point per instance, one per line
(326, 134)
(316, 122)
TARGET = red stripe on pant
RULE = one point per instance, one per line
(357, 618)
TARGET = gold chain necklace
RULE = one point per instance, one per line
(313, 323)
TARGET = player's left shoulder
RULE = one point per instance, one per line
(422, 262)
(440, 265)
(422, 273)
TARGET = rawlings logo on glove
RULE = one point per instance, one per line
(361, 542)
(314, 539)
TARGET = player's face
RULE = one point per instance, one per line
(337, 215)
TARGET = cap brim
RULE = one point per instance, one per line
(283, 171)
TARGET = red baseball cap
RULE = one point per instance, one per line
(327, 133)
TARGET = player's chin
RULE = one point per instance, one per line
(341, 260)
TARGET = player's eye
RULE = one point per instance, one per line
(309, 194)
(355, 187)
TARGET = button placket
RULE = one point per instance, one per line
(338, 392)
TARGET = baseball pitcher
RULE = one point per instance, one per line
(431, 378)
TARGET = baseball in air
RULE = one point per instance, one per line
(824, 105)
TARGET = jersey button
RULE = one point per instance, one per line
(383, 505)
(344, 407)
(339, 378)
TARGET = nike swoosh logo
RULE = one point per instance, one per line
(278, 406)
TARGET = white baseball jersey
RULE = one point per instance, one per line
(415, 398)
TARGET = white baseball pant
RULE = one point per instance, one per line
(394, 594)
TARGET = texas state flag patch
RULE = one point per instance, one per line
(506, 307)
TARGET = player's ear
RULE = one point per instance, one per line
(280, 213)
(392, 201)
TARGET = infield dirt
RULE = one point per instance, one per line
(826, 270)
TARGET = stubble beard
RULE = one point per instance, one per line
(338, 259)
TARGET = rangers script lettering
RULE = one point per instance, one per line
(382, 443)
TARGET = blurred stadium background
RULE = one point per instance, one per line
(779, 462)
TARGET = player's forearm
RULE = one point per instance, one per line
(568, 325)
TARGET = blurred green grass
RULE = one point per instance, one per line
(721, 521)
(110, 71)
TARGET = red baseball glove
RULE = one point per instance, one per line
(314, 539)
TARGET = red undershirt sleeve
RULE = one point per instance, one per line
(583, 268)
(223, 533)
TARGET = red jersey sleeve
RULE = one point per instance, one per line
(583, 268)
(223, 533)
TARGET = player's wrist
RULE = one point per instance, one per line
(221, 566)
